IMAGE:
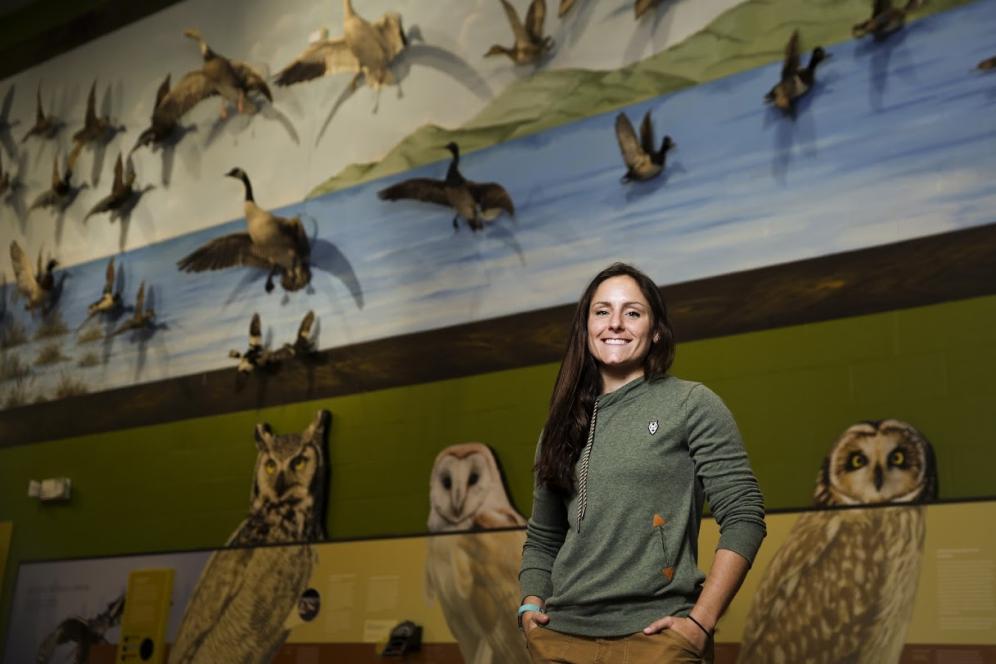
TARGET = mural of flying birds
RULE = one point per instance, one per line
(530, 44)
(45, 126)
(272, 243)
(795, 81)
(476, 202)
(644, 159)
(36, 284)
(366, 49)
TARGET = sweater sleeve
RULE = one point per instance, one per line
(722, 466)
(545, 534)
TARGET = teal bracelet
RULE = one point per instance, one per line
(528, 607)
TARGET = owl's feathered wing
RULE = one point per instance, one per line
(475, 578)
(240, 604)
(831, 592)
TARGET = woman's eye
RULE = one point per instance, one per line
(633, 314)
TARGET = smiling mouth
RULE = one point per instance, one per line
(615, 342)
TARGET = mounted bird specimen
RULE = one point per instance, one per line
(256, 356)
(303, 347)
(885, 19)
(82, 632)
(796, 81)
(273, 243)
(35, 284)
(123, 193)
(987, 64)
(61, 193)
(169, 107)
(97, 130)
(476, 202)
(641, 7)
(530, 44)
(45, 126)
(235, 81)
(565, 6)
(6, 182)
(644, 160)
(110, 301)
(365, 49)
(143, 318)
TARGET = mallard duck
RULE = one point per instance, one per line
(565, 6)
(273, 243)
(110, 301)
(530, 43)
(142, 318)
(61, 193)
(36, 284)
(46, 126)
(885, 19)
(122, 190)
(96, 130)
(644, 160)
(475, 202)
(365, 49)
(256, 356)
(987, 64)
(303, 346)
(641, 7)
(796, 81)
(231, 79)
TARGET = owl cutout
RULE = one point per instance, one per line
(475, 575)
(842, 586)
(653, 426)
(246, 594)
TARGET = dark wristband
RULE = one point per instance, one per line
(704, 630)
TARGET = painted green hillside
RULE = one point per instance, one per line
(749, 35)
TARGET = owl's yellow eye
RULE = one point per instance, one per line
(270, 466)
(897, 458)
(856, 460)
(298, 463)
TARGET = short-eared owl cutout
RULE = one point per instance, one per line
(841, 588)
(239, 607)
(475, 576)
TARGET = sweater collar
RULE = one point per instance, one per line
(630, 389)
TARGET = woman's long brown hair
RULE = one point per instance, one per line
(579, 381)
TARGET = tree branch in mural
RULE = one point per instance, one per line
(885, 19)
(530, 44)
(272, 243)
(476, 202)
(82, 632)
(258, 356)
(37, 285)
(643, 159)
(841, 588)
(795, 81)
(245, 595)
(45, 126)
(475, 576)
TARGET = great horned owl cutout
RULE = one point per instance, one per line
(475, 576)
(841, 588)
(244, 597)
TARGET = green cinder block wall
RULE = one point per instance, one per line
(793, 390)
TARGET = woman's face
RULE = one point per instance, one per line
(619, 326)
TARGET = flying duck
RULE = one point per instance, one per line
(988, 63)
(365, 49)
(96, 130)
(46, 126)
(530, 43)
(273, 243)
(303, 346)
(235, 81)
(256, 356)
(644, 160)
(796, 81)
(885, 19)
(122, 191)
(565, 6)
(110, 299)
(35, 284)
(476, 202)
(61, 192)
(142, 318)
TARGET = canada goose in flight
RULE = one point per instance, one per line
(96, 129)
(366, 49)
(796, 81)
(234, 80)
(122, 190)
(641, 7)
(61, 192)
(110, 299)
(476, 202)
(565, 6)
(142, 318)
(46, 126)
(35, 284)
(644, 160)
(885, 19)
(256, 356)
(273, 243)
(530, 43)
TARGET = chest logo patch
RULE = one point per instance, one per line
(653, 426)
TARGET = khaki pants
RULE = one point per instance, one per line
(547, 646)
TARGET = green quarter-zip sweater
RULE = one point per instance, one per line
(622, 551)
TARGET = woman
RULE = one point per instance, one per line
(628, 453)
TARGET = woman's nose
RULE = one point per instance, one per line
(616, 321)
